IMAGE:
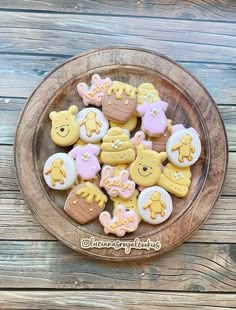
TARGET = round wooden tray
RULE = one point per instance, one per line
(189, 103)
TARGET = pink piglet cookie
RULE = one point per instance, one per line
(139, 139)
(154, 121)
(119, 185)
(86, 160)
(122, 222)
(95, 93)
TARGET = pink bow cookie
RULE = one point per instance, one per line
(122, 222)
(117, 186)
(95, 93)
(139, 139)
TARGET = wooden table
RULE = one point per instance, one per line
(38, 272)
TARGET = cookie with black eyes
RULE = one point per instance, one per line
(146, 169)
(65, 128)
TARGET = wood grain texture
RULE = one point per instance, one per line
(185, 9)
(190, 267)
(182, 40)
(18, 223)
(120, 300)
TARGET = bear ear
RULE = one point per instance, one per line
(73, 109)
(140, 148)
(52, 115)
(162, 156)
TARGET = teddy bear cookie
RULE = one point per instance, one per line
(119, 102)
(94, 94)
(116, 148)
(60, 171)
(122, 222)
(155, 205)
(183, 148)
(65, 129)
(146, 169)
(130, 204)
(147, 93)
(175, 180)
(85, 203)
(93, 125)
(86, 160)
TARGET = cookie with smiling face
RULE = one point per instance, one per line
(65, 129)
(146, 169)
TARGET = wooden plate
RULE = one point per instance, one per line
(189, 103)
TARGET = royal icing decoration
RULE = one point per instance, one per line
(147, 93)
(122, 222)
(117, 186)
(139, 139)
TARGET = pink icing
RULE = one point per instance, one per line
(139, 139)
(95, 93)
(178, 127)
(154, 121)
(86, 160)
(122, 222)
(117, 186)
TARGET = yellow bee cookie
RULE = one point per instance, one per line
(147, 93)
(65, 129)
(175, 180)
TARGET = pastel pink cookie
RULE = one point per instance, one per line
(94, 94)
(86, 160)
(178, 127)
(154, 121)
(139, 139)
(122, 222)
(117, 185)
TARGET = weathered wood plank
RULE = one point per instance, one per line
(190, 267)
(196, 9)
(28, 71)
(8, 180)
(18, 223)
(115, 300)
(182, 40)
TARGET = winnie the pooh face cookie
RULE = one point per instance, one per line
(175, 180)
(119, 102)
(146, 169)
(116, 148)
(85, 203)
(60, 171)
(183, 148)
(130, 204)
(65, 129)
(93, 125)
(148, 93)
(155, 205)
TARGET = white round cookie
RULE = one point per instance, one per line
(183, 148)
(60, 171)
(154, 205)
(93, 125)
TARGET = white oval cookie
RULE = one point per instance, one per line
(183, 148)
(154, 205)
(93, 125)
(60, 171)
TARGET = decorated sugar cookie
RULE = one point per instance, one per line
(93, 125)
(85, 203)
(129, 125)
(183, 148)
(122, 222)
(155, 205)
(60, 171)
(119, 102)
(139, 139)
(146, 169)
(175, 180)
(86, 160)
(94, 94)
(130, 204)
(147, 93)
(65, 129)
(154, 121)
(116, 148)
(119, 185)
